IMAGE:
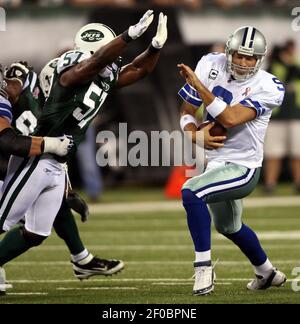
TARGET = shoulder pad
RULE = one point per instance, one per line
(71, 58)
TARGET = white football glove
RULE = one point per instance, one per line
(58, 145)
(161, 36)
(139, 29)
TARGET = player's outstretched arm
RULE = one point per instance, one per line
(87, 69)
(145, 63)
(24, 146)
(228, 116)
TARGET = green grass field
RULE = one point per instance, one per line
(158, 255)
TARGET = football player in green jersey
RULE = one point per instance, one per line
(27, 110)
(81, 82)
(13, 143)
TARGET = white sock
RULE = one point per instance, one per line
(265, 269)
(80, 257)
(203, 256)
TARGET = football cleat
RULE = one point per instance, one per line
(276, 279)
(97, 267)
(204, 279)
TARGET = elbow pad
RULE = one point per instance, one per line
(14, 144)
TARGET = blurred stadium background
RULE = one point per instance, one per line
(37, 31)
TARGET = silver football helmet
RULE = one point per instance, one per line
(1, 75)
(92, 37)
(246, 41)
(2, 82)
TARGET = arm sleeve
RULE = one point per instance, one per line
(19, 145)
(6, 109)
(190, 94)
(266, 100)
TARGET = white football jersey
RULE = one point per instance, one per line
(262, 92)
(5, 109)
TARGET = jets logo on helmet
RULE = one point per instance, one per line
(93, 36)
(246, 41)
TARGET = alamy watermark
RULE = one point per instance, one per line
(2, 19)
(295, 24)
(157, 148)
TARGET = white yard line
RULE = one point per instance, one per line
(154, 280)
(161, 206)
(140, 234)
(97, 288)
(142, 263)
(26, 293)
(181, 247)
(185, 283)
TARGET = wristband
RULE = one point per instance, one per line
(187, 119)
(125, 36)
(216, 107)
(153, 49)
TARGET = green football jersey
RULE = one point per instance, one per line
(28, 108)
(25, 114)
(69, 111)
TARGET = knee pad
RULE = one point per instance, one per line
(32, 239)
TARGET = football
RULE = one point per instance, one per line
(216, 130)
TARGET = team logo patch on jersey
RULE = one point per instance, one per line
(213, 74)
(92, 35)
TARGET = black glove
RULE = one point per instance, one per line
(19, 71)
(76, 203)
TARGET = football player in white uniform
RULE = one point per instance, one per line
(240, 96)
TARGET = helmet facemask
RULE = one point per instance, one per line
(245, 41)
(3, 83)
(247, 72)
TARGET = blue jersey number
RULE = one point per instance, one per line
(222, 93)
(279, 83)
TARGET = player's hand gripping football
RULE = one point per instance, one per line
(161, 36)
(58, 145)
(189, 75)
(211, 142)
(137, 30)
(18, 71)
